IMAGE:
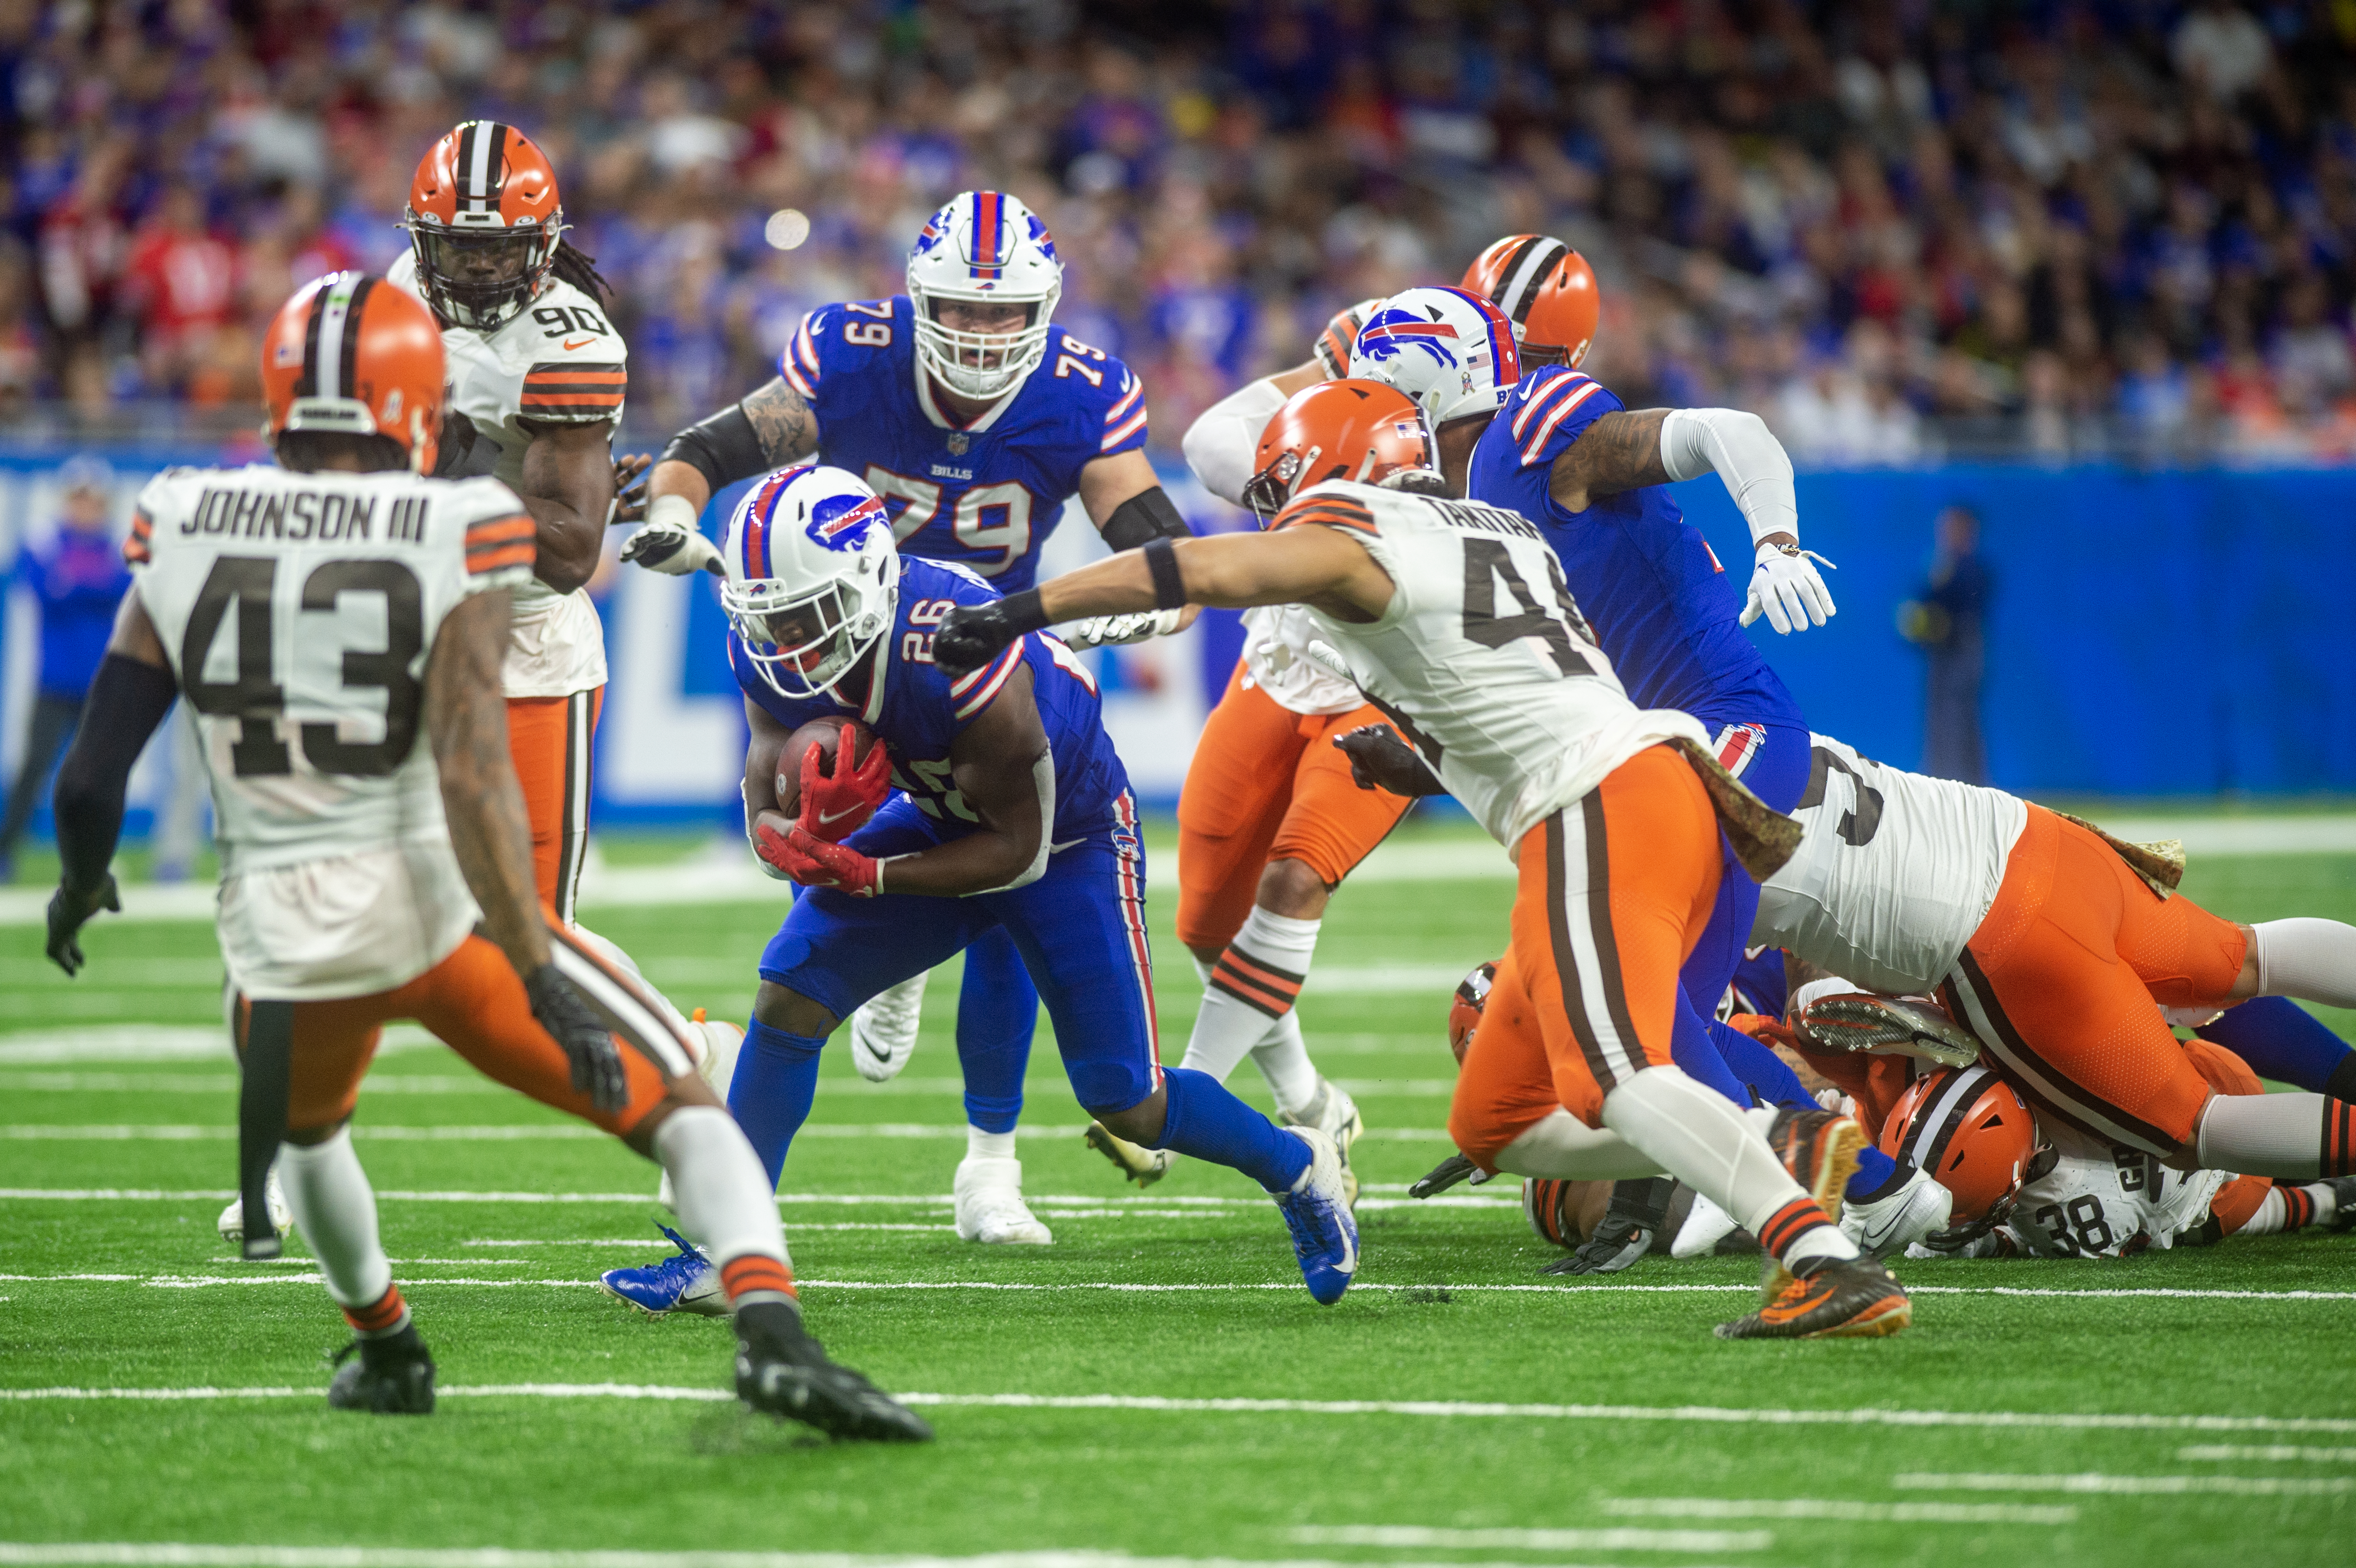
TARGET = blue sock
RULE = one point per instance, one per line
(776, 1079)
(998, 1009)
(1206, 1121)
(2284, 1042)
(1877, 1175)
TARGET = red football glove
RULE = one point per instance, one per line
(815, 863)
(836, 806)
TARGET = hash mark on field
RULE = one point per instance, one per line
(2134, 1486)
(2273, 1455)
(1396, 1535)
(1844, 1510)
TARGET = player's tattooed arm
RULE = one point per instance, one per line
(1622, 450)
(769, 427)
(466, 721)
(567, 485)
(782, 419)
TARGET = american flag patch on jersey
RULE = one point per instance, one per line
(575, 392)
(1737, 744)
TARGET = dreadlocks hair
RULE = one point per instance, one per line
(580, 270)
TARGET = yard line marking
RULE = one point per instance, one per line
(2133, 1485)
(2275, 1453)
(1692, 1414)
(1609, 1540)
(176, 1132)
(156, 1042)
(178, 1554)
(942, 1200)
(1846, 1509)
(227, 1084)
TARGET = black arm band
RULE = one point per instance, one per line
(723, 448)
(1168, 582)
(127, 700)
(1146, 516)
(1023, 613)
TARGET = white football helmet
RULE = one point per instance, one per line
(813, 579)
(1449, 350)
(984, 246)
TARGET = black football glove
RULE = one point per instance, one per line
(588, 1044)
(973, 634)
(69, 910)
(1380, 760)
(1447, 1174)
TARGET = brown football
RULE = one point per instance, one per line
(826, 734)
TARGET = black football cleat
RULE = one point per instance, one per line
(1829, 1298)
(2344, 1196)
(787, 1373)
(394, 1376)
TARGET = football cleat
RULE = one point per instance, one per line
(1335, 1115)
(990, 1207)
(1324, 1236)
(231, 1222)
(1888, 1226)
(1706, 1225)
(1819, 1148)
(722, 1043)
(684, 1282)
(883, 1030)
(1634, 1216)
(393, 1376)
(787, 1374)
(2343, 1198)
(1857, 1020)
(1139, 1164)
(1829, 1298)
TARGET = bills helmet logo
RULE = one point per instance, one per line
(1045, 242)
(837, 522)
(1391, 333)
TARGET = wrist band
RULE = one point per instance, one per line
(1023, 613)
(1168, 582)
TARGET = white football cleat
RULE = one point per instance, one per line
(990, 1207)
(1888, 1226)
(883, 1032)
(1706, 1225)
(1335, 1115)
(722, 1042)
(231, 1222)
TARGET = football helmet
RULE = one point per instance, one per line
(1338, 430)
(813, 577)
(483, 221)
(353, 355)
(1464, 1009)
(983, 248)
(1547, 290)
(1971, 1132)
(1547, 1205)
(1449, 349)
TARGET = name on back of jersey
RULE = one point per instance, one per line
(304, 515)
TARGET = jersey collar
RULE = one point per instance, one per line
(933, 410)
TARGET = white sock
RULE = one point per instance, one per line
(979, 1145)
(1701, 1139)
(1283, 1059)
(2314, 960)
(2262, 1135)
(334, 1208)
(1250, 990)
(2269, 1218)
(722, 1195)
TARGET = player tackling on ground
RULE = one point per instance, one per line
(318, 616)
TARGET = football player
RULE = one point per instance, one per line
(318, 616)
(1015, 816)
(1453, 619)
(976, 418)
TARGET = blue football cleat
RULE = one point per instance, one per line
(1324, 1236)
(685, 1282)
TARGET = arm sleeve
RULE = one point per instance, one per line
(1745, 455)
(127, 700)
(1220, 444)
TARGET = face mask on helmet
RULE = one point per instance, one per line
(813, 579)
(480, 278)
(984, 279)
(802, 644)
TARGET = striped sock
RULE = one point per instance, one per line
(1250, 990)
(2298, 1205)
(756, 1277)
(1798, 1231)
(382, 1319)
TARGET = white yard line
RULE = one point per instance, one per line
(1607, 1539)
(173, 1554)
(1844, 1510)
(2132, 1486)
(2275, 1453)
(561, 1132)
(1066, 1201)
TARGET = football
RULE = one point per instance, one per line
(826, 734)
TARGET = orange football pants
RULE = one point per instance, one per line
(2060, 979)
(1614, 892)
(553, 742)
(1267, 783)
(474, 1002)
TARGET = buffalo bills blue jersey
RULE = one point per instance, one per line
(986, 495)
(918, 711)
(1660, 602)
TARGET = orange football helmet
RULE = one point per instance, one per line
(1971, 1131)
(1465, 1007)
(353, 355)
(1547, 290)
(1547, 1205)
(484, 219)
(1338, 430)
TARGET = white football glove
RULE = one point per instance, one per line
(669, 542)
(1787, 589)
(1111, 631)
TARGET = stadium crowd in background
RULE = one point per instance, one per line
(1895, 228)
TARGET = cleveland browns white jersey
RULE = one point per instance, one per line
(299, 611)
(1275, 660)
(557, 361)
(1481, 656)
(1893, 874)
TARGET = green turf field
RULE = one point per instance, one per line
(1156, 1384)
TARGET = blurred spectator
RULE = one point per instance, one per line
(1948, 619)
(77, 578)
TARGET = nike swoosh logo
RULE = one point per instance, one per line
(570, 345)
(1059, 848)
(826, 816)
(869, 1046)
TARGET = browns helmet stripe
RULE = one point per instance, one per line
(1524, 271)
(482, 163)
(329, 336)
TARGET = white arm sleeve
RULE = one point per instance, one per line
(1745, 455)
(1219, 445)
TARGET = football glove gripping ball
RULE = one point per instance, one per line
(587, 1043)
(836, 806)
(815, 863)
